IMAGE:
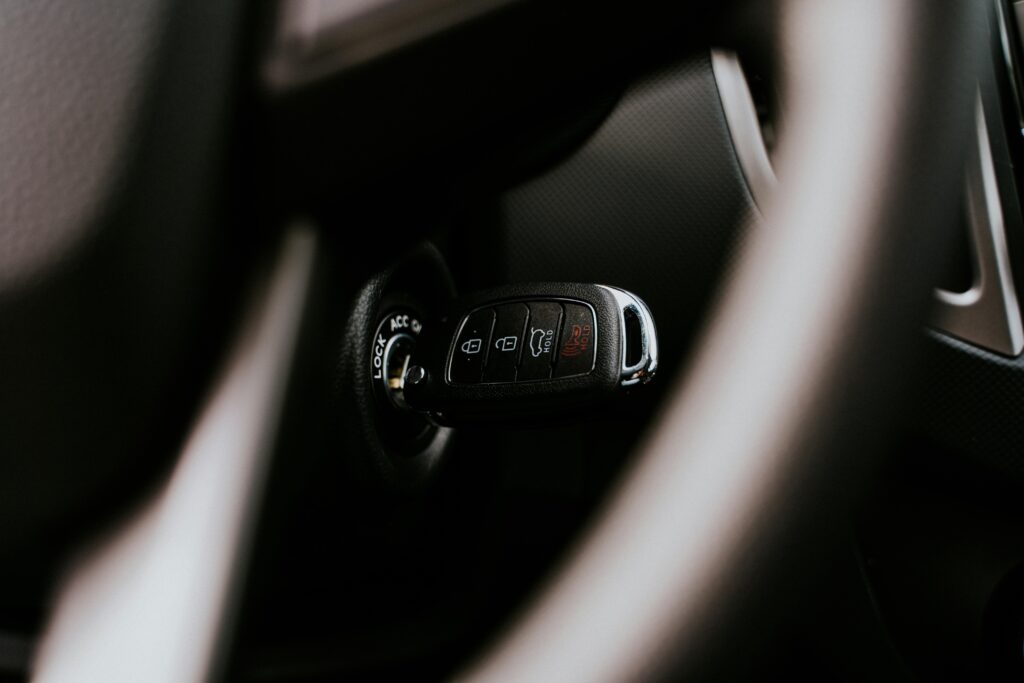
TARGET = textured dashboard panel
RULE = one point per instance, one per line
(972, 402)
(652, 203)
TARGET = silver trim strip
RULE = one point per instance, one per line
(155, 600)
(744, 127)
(987, 314)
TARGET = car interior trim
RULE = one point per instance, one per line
(744, 127)
(988, 313)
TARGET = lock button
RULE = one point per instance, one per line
(470, 353)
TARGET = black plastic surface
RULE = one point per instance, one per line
(971, 402)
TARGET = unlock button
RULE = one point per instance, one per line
(507, 343)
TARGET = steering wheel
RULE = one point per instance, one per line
(108, 243)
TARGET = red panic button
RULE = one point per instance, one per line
(577, 342)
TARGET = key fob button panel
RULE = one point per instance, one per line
(531, 350)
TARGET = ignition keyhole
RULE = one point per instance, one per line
(397, 353)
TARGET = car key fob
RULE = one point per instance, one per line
(531, 349)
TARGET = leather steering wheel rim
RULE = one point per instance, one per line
(792, 367)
